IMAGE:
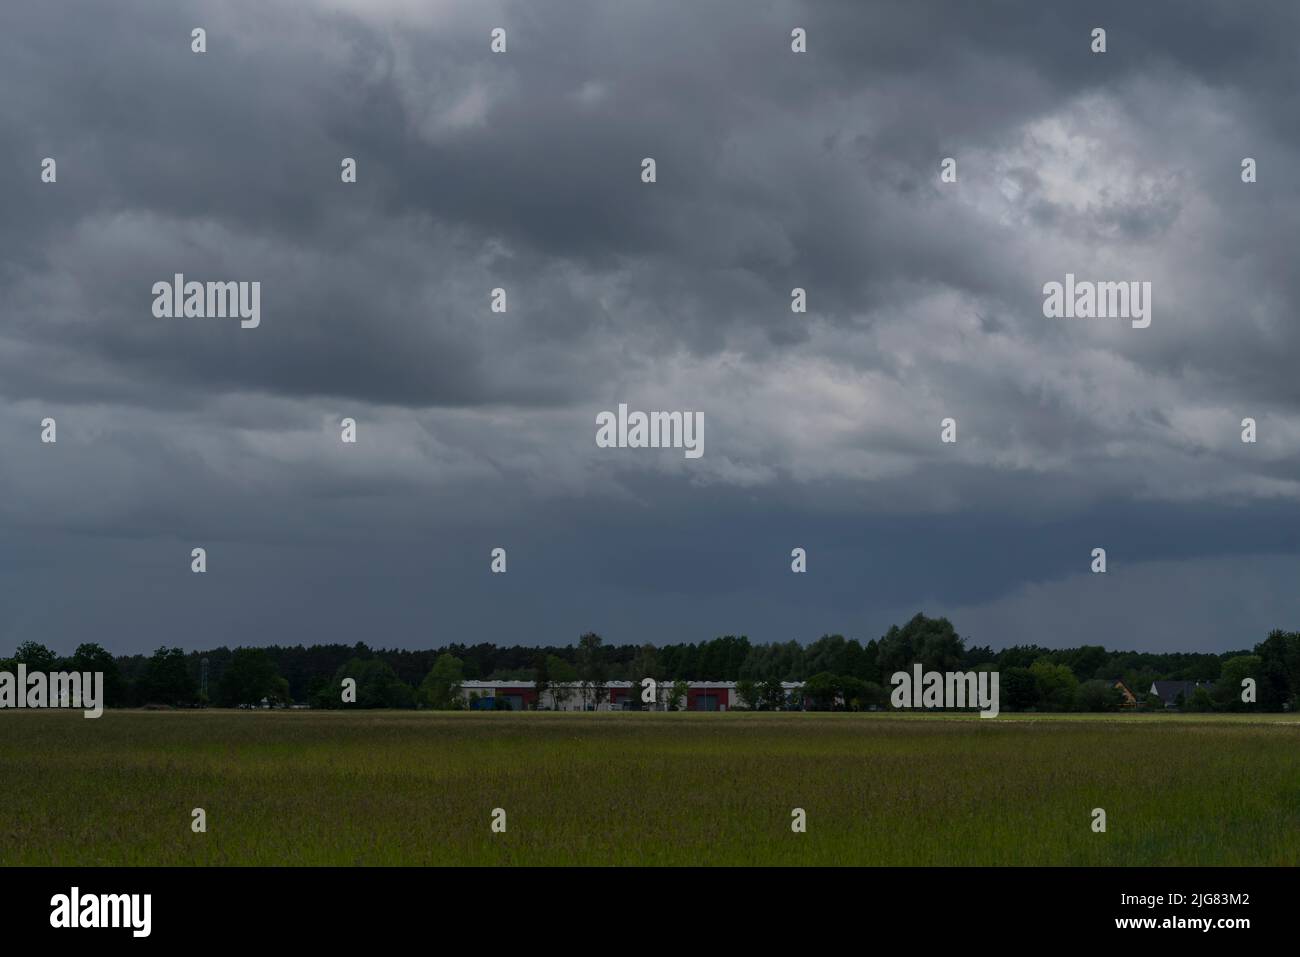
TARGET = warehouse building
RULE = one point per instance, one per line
(617, 696)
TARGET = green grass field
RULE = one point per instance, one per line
(606, 789)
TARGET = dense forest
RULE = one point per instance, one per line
(843, 671)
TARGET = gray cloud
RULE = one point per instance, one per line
(521, 171)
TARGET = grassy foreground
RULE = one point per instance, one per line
(606, 789)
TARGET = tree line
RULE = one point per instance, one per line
(838, 672)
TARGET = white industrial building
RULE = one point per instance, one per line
(617, 696)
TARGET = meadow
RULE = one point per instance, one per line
(419, 788)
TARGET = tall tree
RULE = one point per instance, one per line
(645, 664)
(1280, 669)
(1228, 690)
(440, 688)
(1019, 688)
(167, 679)
(592, 669)
(250, 677)
(748, 693)
(931, 642)
(677, 694)
(377, 684)
(1057, 685)
(93, 658)
(562, 677)
(35, 656)
(541, 678)
(773, 695)
(822, 690)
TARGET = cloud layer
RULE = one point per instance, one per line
(521, 171)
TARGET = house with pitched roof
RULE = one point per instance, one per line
(1177, 694)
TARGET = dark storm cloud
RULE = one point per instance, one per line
(522, 171)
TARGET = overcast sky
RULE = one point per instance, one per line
(523, 170)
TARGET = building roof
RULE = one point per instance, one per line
(1169, 690)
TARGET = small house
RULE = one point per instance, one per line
(1174, 694)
